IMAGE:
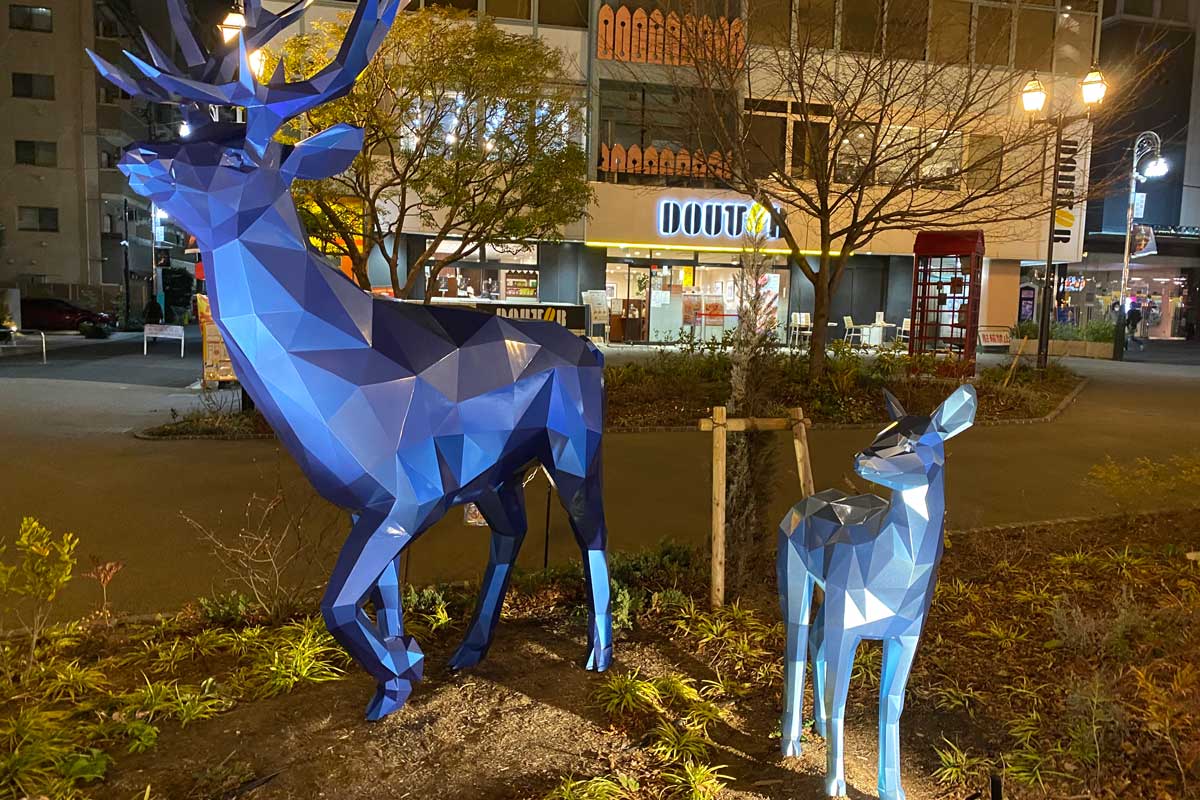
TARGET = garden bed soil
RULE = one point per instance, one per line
(1027, 621)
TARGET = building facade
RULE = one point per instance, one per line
(69, 224)
(661, 272)
(1166, 284)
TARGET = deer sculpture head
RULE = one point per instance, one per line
(222, 175)
(910, 452)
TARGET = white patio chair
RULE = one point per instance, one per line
(854, 332)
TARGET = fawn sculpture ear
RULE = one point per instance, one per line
(894, 409)
(956, 413)
(324, 154)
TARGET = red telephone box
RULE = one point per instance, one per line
(947, 273)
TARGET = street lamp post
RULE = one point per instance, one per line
(1146, 143)
(1033, 98)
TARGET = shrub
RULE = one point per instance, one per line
(44, 570)
(1099, 330)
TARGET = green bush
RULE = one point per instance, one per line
(1099, 330)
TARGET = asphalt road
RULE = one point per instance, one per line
(117, 359)
(70, 459)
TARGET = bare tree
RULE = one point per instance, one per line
(900, 131)
(471, 133)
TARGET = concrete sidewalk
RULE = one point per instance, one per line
(71, 462)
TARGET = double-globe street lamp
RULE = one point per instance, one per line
(1033, 98)
(1146, 144)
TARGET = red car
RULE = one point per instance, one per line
(52, 314)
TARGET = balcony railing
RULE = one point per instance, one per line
(641, 37)
(663, 162)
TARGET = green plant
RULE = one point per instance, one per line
(622, 787)
(673, 744)
(624, 694)
(302, 652)
(1099, 330)
(35, 581)
(74, 680)
(227, 610)
(958, 766)
(695, 781)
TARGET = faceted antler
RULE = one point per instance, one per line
(210, 78)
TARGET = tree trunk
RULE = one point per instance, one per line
(358, 266)
(749, 537)
(820, 324)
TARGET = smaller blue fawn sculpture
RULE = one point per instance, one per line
(877, 564)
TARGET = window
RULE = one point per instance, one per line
(1035, 39)
(1139, 8)
(815, 23)
(899, 148)
(942, 163)
(37, 154)
(950, 35)
(769, 21)
(766, 139)
(854, 154)
(907, 21)
(1173, 9)
(510, 9)
(37, 87)
(568, 13)
(1073, 43)
(993, 32)
(810, 148)
(30, 18)
(36, 218)
(983, 163)
(860, 26)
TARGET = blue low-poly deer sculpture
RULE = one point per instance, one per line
(394, 411)
(877, 563)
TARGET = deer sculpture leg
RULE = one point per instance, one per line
(839, 663)
(581, 497)
(898, 654)
(366, 566)
(795, 599)
(816, 653)
(505, 514)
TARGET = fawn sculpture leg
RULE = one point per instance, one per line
(839, 663)
(582, 498)
(366, 566)
(898, 654)
(795, 599)
(816, 653)
(505, 513)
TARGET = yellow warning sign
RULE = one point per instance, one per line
(1064, 218)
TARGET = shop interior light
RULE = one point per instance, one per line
(185, 130)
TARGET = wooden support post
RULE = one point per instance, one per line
(803, 459)
(717, 597)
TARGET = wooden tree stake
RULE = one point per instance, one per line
(717, 598)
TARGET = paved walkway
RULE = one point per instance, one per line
(71, 461)
(117, 359)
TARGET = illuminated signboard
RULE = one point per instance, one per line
(712, 219)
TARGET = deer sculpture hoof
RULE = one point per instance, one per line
(408, 664)
(835, 788)
(599, 657)
(791, 747)
(465, 657)
(389, 696)
(891, 794)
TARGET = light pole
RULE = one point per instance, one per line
(1146, 143)
(1033, 98)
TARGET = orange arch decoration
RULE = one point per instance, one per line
(654, 38)
(617, 161)
(633, 158)
(639, 35)
(621, 33)
(604, 33)
(650, 160)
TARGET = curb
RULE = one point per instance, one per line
(860, 426)
(816, 426)
(180, 437)
(1090, 518)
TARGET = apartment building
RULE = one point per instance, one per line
(65, 210)
(658, 273)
